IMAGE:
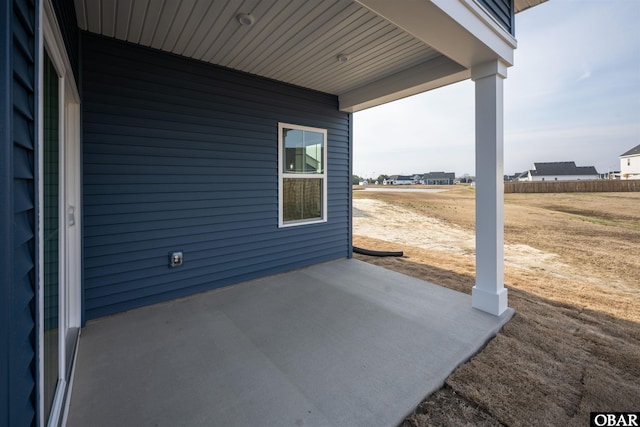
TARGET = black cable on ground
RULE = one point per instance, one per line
(376, 253)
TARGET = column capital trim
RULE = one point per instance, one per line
(487, 69)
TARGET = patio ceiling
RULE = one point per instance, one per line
(300, 42)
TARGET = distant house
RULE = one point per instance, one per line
(511, 178)
(439, 178)
(610, 175)
(464, 180)
(630, 164)
(560, 171)
(400, 180)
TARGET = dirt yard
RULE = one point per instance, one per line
(572, 267)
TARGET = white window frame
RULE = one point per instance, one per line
(51, 42)
(282, 175)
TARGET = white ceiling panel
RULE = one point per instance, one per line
(108, 24)
(150, 25)
(123, 10)
(301, 56)
(137, 20)
(93, 16)
(165, 21)
(251, 38)
(293, 41)
(177, 24)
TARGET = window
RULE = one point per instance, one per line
(302, 171)
(629, 161)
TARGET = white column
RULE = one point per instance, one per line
(489, 293)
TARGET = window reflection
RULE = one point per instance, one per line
(303, 151)
(50, 212)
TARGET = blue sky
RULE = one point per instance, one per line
(572, 95)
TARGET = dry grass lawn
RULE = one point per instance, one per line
(573, 345)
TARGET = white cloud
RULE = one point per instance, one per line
(584, 75)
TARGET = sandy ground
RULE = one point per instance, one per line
(393, 223)
(573, 274)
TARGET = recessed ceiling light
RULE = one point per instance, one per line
(342, 58)
(245, 19)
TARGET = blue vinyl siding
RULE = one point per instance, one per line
(182, 155)
(503, 11)
(17, 213)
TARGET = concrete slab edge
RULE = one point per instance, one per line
(440, 380)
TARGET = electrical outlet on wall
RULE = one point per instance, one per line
(176, 259)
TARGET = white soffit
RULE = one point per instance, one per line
(293, 41)
(394, 49)
(521, 5)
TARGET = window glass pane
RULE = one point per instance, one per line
(303, 151)
(301, 198)
(50, 232)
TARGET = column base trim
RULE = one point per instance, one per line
(491, 302)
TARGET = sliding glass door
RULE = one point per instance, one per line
(59, 224)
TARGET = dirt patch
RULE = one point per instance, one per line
(574, 344)
(600, 248)
(394, 223)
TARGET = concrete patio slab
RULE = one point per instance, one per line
(343, 343)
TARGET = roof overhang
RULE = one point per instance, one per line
(522, 5)
(367, 52)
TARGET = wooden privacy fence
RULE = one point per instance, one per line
(596, 186)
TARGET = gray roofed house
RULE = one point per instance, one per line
(400, 180)
(439, 178)
(630, 164)
(561, 171)
(635, 151)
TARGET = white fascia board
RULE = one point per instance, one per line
(476, 19)
(421, 78)
(460, 29)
